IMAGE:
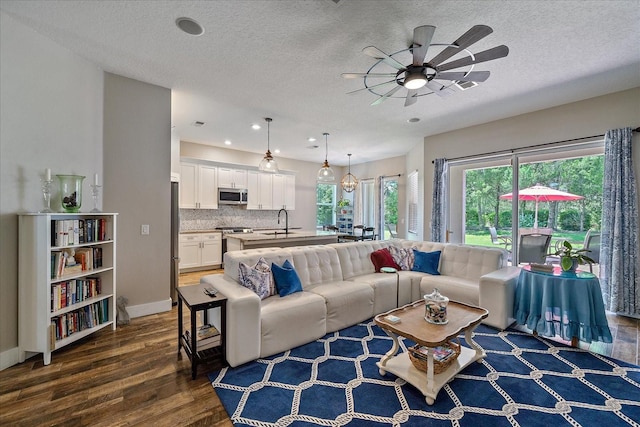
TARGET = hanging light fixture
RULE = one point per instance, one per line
(268, 163)
(325, 174)
(349, 182)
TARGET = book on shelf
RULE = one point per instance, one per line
(207, 336)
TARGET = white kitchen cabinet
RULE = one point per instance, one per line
(284, 191)
(198, 186)
(232, 178)
(200, 250)
(260, 190)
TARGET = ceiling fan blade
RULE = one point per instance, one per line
(474, 76)
(411, 97)
(385, 96)
(476, 33)
(356, 75)
(371, 87)
(376, 53)
(421, 41)
(440, 90)
(484, 56)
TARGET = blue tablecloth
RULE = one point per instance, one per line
(564, 304)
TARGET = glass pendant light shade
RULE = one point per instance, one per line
(268, 163)
(349, 182)
(325, 174)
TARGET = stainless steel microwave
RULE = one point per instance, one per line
(232, 196)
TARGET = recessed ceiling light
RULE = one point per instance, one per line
(277, 150)
(311, 139)
(255, 126)
(227, 142)
(413, 120)
(190, 26)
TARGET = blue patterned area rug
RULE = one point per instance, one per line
(524, 380)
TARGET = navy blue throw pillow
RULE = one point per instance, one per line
(426, 262)
(286, 278)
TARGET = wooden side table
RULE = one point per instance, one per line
(196, 300)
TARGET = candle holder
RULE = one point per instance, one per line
(46, 194)
(95, 192)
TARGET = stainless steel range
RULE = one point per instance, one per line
(231, 230)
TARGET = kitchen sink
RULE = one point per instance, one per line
(276, 233)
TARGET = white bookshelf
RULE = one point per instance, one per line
(45, 323)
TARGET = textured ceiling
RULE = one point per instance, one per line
(283, 59)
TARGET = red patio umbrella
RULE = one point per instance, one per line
(540, 193)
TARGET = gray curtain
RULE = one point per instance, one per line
(438, 203)
(619, 239)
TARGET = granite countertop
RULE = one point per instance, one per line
(257, 230)
(280, 235)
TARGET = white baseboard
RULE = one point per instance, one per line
(149, 308)
(9, 358)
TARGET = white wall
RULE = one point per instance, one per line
(590, 117)
(137, 166)
(51, 115)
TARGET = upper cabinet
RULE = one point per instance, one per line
(260, 190)
(198, 186)
(284, 192)
(232, 178)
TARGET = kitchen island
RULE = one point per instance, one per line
(279, 238)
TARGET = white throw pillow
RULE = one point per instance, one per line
(257, 278)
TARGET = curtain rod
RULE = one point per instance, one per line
(512, 150)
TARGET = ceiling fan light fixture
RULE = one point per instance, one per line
(415, 81)
(326, 174)
(349, 182)
(268, 163)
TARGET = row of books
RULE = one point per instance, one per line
(208, 336)
(67, 232)
(64, 263)
(75, 321)
(65, 294)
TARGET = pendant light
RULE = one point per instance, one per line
(349, 182)
(325, 174)
(268, 163)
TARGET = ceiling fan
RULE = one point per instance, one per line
(423, 77)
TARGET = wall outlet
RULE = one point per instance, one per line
(144, 229)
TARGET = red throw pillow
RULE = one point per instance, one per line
(382, 258)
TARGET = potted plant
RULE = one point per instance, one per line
(342, 203)
(570, 258)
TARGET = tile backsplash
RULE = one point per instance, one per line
(227, 216)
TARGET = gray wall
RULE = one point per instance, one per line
(592, 116)
(51, 115)
(137, 165)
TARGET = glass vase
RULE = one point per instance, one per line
(71, 192)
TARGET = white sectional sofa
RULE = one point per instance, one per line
(341, 288)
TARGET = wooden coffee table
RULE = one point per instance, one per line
(462, 317)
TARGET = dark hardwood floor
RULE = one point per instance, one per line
(133, 377)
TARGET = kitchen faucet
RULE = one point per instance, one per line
(286, 220)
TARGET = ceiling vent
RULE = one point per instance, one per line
(466, 85)
(198, 124)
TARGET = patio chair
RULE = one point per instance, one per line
(592, 243)
(499, 240)
(533, 248)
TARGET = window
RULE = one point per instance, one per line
(325, 205)
(412, 196)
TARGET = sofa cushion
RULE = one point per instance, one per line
(347, 303)
(355, 259)
(233, 259)
(257, 278)
(382, 258)
(286, 278)
(402, 256)
(426, 262)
